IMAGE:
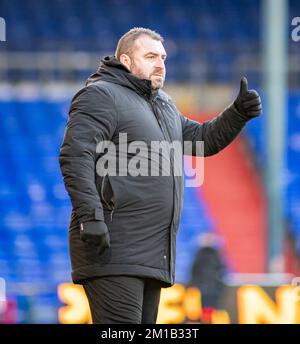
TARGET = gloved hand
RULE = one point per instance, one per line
(96, 234)
(248, 102)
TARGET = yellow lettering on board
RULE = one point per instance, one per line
(170, 307)
(77, 309)
(256, 307)
(192, 303)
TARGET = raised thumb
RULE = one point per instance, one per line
(244, 85)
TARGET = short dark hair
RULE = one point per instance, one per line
(126, 42)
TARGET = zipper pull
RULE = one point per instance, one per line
(111, 215)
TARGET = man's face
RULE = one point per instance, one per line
(148, 61)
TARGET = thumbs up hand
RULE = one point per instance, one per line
(248, 102)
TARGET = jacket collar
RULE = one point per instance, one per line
(112, 70)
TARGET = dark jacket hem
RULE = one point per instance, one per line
(80, 275)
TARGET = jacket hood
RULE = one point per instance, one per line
(112, 70)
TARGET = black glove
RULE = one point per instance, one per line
(248, 101)
(96, 234)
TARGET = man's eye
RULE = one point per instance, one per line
(151, 57)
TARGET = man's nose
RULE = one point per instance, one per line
(160, 63)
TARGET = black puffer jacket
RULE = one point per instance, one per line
(142, 213)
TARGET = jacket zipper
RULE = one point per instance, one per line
(161, 122)
(167, 135)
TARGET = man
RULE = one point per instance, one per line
(208, 273)
(123, 228)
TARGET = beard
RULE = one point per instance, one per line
(156, 83)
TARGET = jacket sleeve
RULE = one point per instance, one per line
(216, 133)
(92, 118)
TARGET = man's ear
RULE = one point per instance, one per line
(126, 60)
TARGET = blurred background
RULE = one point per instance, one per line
(247, 210)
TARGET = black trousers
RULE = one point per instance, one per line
(123, 299)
